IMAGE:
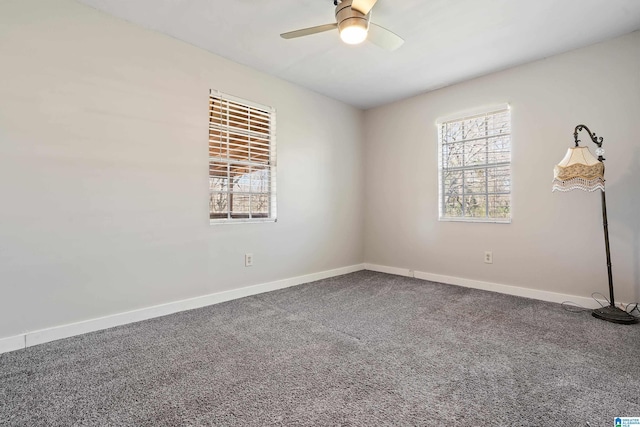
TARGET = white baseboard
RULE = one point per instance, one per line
(390, 270)
(64, 331)
(487, 286)
(12, 343)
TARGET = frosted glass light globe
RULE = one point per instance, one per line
(353, 34)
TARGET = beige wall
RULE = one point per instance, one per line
(555, 242)
(103, 171)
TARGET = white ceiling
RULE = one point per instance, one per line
(446, 41)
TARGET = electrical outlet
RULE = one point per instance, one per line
(488, 257)
(248, 260)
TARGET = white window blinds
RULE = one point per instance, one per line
(242, 160)
(475, 166)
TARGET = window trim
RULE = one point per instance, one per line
(272, 216)
(465, 115)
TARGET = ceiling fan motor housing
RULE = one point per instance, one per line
(347, 17)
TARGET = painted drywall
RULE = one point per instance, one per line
(103, 171)
(555, 241)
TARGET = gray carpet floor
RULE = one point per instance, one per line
(363, 349)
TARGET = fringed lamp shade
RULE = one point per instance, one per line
(579, 170)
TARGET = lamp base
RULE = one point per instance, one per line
(615, 315)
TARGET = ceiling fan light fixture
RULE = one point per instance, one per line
(353, 25)
(353, 34)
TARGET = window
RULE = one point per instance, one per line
(474, 154)
(242, 160)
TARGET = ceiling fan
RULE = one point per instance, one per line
(353, 23)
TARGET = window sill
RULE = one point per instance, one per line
(241, 221)
(483, 220)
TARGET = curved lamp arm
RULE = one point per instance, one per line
(594, 138)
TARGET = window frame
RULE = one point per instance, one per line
(461, 117)
(271, 165)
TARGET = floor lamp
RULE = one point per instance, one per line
(580, 170)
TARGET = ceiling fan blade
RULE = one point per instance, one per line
(308, 31)
(363, 6)
(384, 38)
